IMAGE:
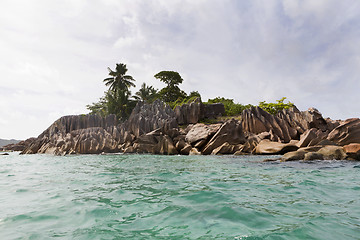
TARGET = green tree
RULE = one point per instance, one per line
(119, 81)
(194, 94)
(99, 107)
(146, 93)
(117, 99)
(119, 103)
(171, 92)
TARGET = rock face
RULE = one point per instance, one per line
(148, 117)
(94, 134)
(256, 120)
(230, 132)
(195, 111)
(154, 142)
(77, 134)
(286, 125)
(346, 133)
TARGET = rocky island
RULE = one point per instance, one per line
(158, 129)
(169, 121)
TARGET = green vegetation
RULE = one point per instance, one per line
(231, 108)
(273, 108)
(118, 99)
(146, 93)
(171, 92)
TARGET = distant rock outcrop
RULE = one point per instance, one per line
(19, 146)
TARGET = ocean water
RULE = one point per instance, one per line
(177, 197)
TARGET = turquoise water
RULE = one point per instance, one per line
(177, 197)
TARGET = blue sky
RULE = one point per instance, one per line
(54, 54)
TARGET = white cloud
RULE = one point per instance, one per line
(54, 54)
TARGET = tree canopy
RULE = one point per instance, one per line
(171, 92)
(119, 81)
(170, 78)
(117, 98)
(146, 93)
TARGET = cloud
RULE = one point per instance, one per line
(55, 53)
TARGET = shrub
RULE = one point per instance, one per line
(273, 108)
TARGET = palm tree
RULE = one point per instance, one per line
(145, 93)
(119, 80)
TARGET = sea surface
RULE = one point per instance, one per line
(177, 197)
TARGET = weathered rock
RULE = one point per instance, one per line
(20, 146)
(310, 149)
(325, 142)
(76, 134)
(180, 144)
(148, 117)
(268, 147)
(201, 131)
(195, 111)
(194, 151)
(256, 120)
(286, 125)
(213, 110)
(230, 132)
(186, 149)
(346, 133)
(313, 156)
(227, 148)
(353, 151)
(293, 156)
(333, 153)
(129, 149)
(156, 143)
(306, 137)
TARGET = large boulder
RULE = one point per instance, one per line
(268, 147)
(230, 132)
(333, 152)
(201, 131)
(293, 156)
(346, 133)
(353, 151)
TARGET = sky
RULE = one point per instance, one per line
(54, 54)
